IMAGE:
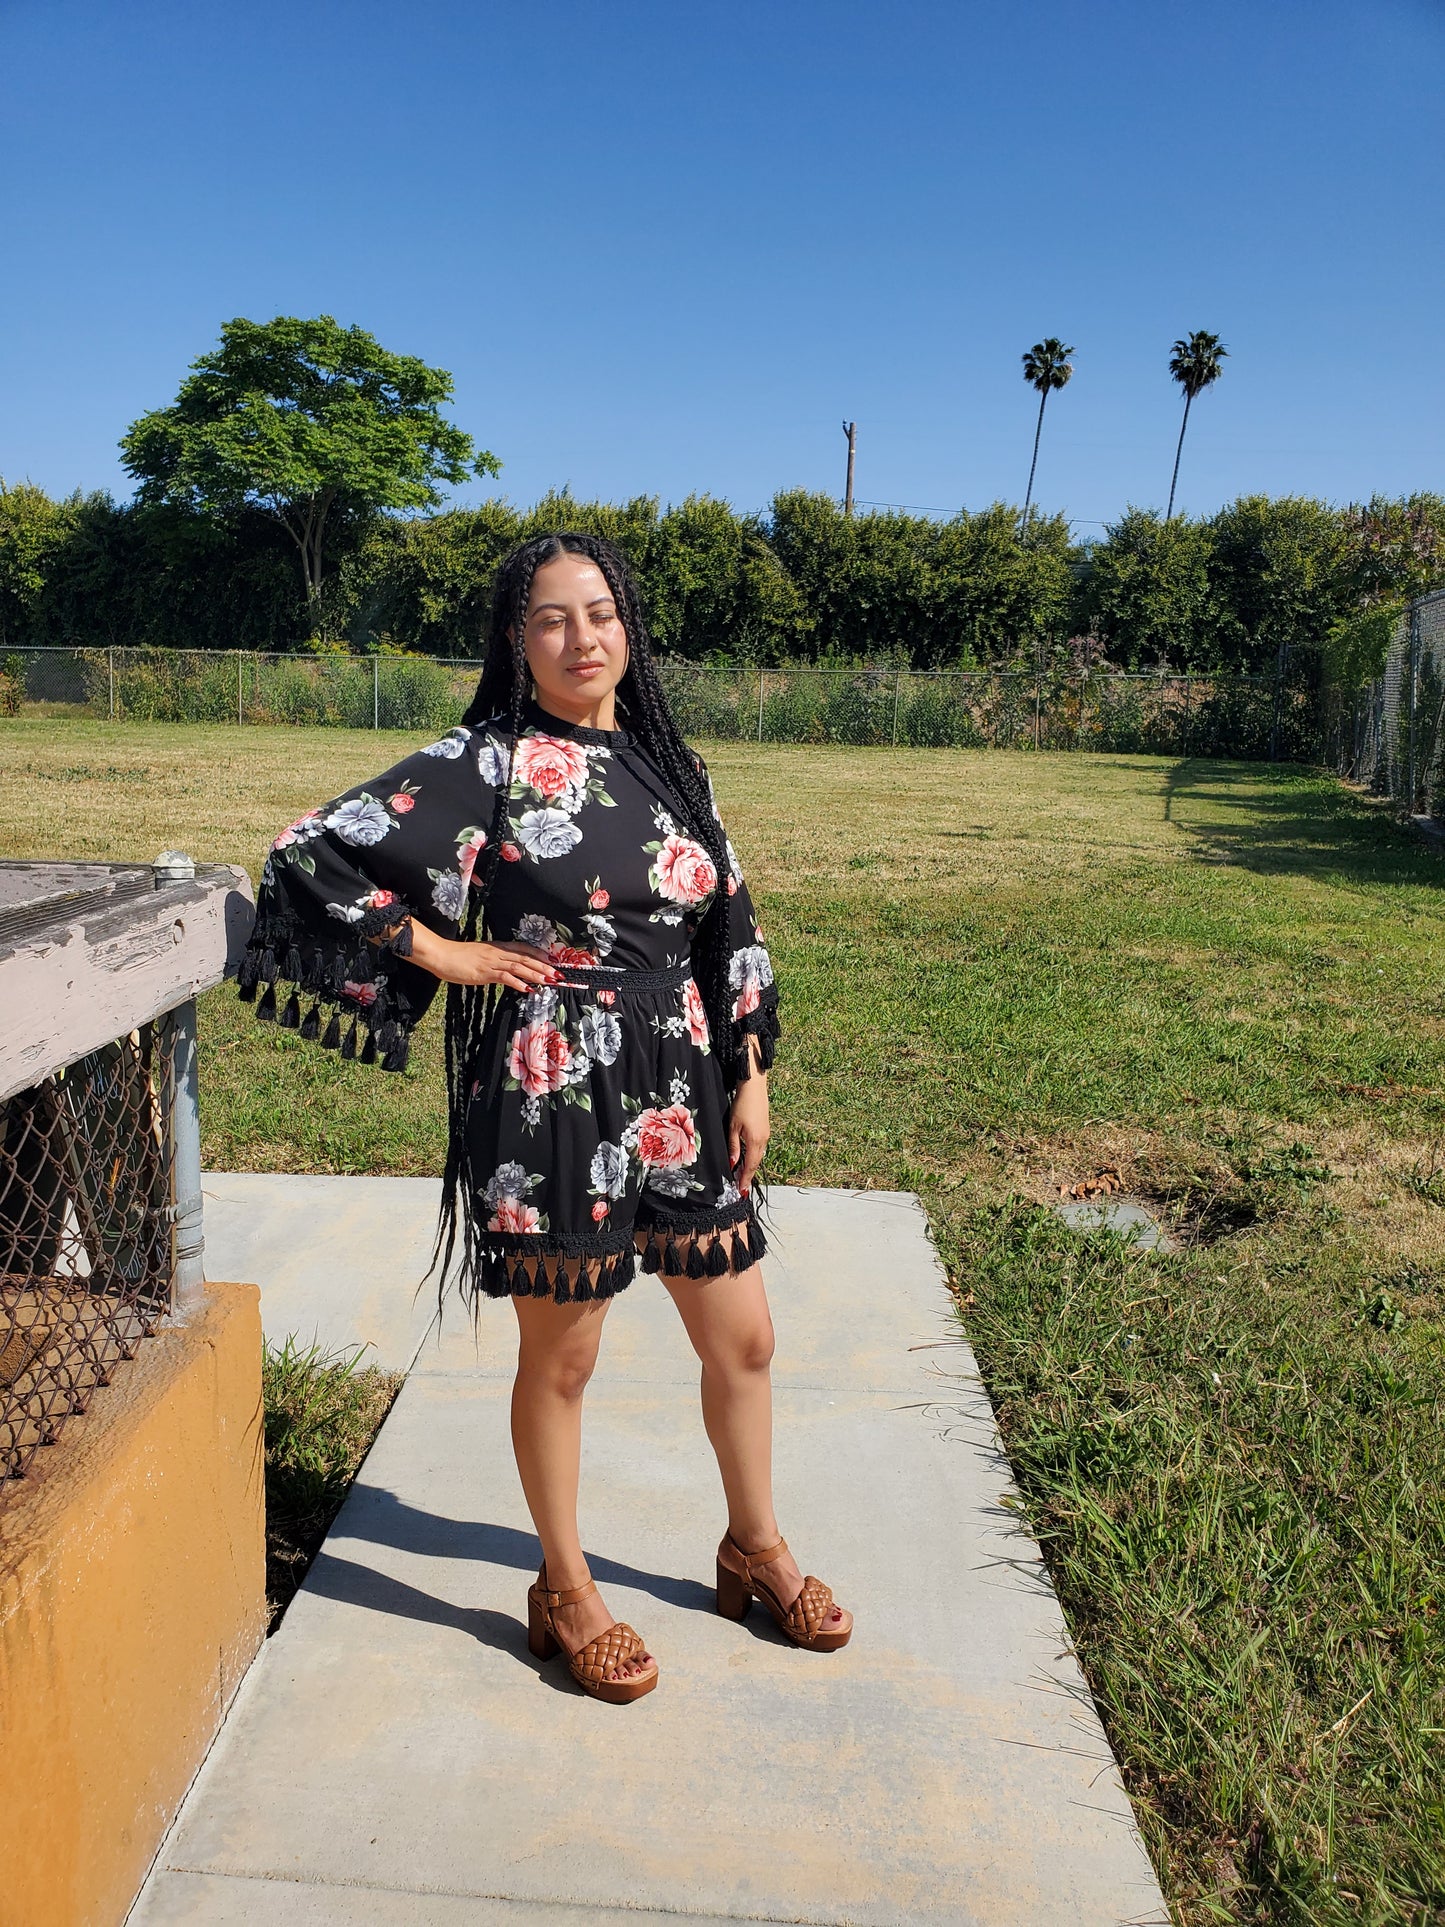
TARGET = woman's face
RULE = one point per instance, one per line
(575, 643)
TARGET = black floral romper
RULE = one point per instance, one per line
(596, 1108)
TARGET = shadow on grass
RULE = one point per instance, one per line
(1276, 819)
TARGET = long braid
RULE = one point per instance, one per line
(504, 687)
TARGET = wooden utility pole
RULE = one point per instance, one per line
(850, 429)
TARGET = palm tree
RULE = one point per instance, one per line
(1194, 364)
(1046, 366)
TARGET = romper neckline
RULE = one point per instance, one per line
(536, 717)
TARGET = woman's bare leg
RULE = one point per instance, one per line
(731, 1329)
(556, 1352)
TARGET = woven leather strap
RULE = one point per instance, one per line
(592, 1663)
(810, 1609)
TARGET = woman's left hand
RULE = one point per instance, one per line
(748, 1128)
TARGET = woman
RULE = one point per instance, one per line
(559, 863)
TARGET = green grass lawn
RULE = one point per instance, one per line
(1003, 973)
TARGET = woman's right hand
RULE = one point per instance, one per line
(518, 966)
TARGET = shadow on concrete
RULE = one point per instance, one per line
(380, 1518)
(1275, 819)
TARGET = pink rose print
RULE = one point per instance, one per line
(512, 1215)
(599, 899)
(570, 956)
(510, 853)
(401, 802)
(667, 1138)
(289, 835)
(685, 871)
(600, 1210)
(549, 764)
(541, 1058)
(608, 997)
(468, 853)
(695, 1011)
(749, 997)
(732, 886)
(379, 899)
(363, 994)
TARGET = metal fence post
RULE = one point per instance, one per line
(897, 690)
(376, 692)
(240, 695)
(181, 1121)
(761, 681)
(111, 654)
(1414, 691)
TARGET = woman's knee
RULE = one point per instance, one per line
(746, 1348)
(561, 1370)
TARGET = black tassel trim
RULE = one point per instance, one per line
(368, 1049)
(521, 1283)
(716, 1263)
(294, 965)
(396, 1058)
(348, 1046)
(671, 1263)
(266, 1009)
(247, 991)
(311, 1024)
(695, 1266)
(582, 1289)
(559, 1284)
(332, 1038)
(248, 973)
(268, 963)
(651, 1257)
(290, 1018)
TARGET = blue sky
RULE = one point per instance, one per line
(665, 249)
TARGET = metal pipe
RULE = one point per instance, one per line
(182, 1114)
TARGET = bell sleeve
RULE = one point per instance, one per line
(750, 970)
(339, 888)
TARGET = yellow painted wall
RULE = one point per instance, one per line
(132, 1600)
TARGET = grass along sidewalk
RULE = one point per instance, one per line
(1003, 973)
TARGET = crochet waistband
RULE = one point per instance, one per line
(598, 977)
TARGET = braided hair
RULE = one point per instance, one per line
(502, 691)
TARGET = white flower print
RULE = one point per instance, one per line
(609, 1170)
(602, 932)
(537, 929)
(507, 1181)
(728, 1195)
(671, 1183)
(450, 746)
(601, 1034)
(362, 821)
(749, 974)
(492, 762)
(345, 912)
(546, 833)
(449, 893)
(539, 1004)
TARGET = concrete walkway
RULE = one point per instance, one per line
(397, 1757)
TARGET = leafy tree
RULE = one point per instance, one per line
(1046, 367)
(309, 421)
(1194, 363)
(1276, 578)
(1148, 593)
(33, 528)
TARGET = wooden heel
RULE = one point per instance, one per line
(734, 1595)
(541, 1642)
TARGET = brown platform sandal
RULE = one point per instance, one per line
(803, 1621)
(591, 1663)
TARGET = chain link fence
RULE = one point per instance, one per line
(1245, 716)
(85, 1237)
(1390, 735)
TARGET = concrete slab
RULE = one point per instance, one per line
(397, 1756)
(1123, 1216)
(338, 1259)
